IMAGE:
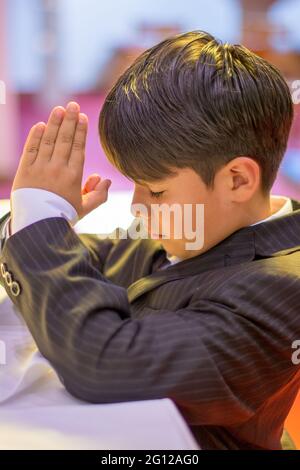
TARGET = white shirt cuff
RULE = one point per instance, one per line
(5, 230)
(29, 205)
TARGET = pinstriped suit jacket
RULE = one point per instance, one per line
(214, 332)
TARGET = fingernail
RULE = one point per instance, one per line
(73, 107)
(82, 118)
(59, 112)
(39, 128)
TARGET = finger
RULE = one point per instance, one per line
(51, 132)
(90, 183)
(79, 142)
(95, 198)
(32, 144)
(65, 137)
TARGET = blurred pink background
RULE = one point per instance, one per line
(53, 51)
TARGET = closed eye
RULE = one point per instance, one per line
(156, 194)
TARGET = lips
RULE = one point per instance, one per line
(156, 235)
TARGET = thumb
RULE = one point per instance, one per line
(90, 183)
(95, 197)
(103, 184)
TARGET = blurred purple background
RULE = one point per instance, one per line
(56, 50)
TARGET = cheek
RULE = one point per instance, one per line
(165, 222)
(175, 224)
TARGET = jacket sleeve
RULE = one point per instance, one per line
(3, 225)
(211, 356)
(98, 246)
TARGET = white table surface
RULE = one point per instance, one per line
(38, 413)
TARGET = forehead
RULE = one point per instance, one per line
(163, 180)
(147, 183)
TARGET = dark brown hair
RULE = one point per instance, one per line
(191, 101)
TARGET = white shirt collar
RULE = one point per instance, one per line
(286, 208)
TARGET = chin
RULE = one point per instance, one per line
(172, 249)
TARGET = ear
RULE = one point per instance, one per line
(244, 178)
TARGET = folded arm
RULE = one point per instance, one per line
(29, 205)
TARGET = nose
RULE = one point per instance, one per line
(139, 206)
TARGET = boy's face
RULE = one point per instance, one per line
(196, 216)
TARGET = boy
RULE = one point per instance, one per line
(191, 122)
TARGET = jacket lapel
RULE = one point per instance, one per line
(241, 247)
